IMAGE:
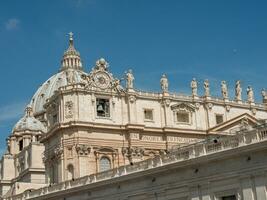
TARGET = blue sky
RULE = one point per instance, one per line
(217, 40)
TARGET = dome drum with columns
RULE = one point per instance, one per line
(82, 123)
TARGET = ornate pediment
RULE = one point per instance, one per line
(238, 123)
(101, 79)
(183, 107)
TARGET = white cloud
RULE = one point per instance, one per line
(12, 24)
(12, 111)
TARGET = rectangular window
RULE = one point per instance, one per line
(182, 117)
(102, 107)
(219, 119)
(231, 197)
(148, 114)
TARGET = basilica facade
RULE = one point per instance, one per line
(80, 123)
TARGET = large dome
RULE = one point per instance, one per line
(48, 88)
(70, 73)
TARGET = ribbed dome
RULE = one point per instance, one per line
(29, 123)
(70, 73)
(49, 87)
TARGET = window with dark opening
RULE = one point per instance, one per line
(20, 145)
(148, 114)
(102, 108)
(219, 119)
(231, 197)
(55, 119)
(182, 117)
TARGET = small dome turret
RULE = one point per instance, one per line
(71, 58)
(28, 123)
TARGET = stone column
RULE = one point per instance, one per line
(131, 108)
(12, 145)
(167, 112)
(246, 186)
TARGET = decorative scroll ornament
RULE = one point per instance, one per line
(209, 106)
(132, 98)
(58, 151)
(166, 102)
(83, 149)
(227, 108)
(101, 79)
(197, 105)
(133, 152)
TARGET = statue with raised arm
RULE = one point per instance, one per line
(194, 87)
(129, 79)
(207, 88)
(250, 94)
(224, 90)
(264, 95)
(238, 91)
(164, 83)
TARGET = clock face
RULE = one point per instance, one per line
(102, 80)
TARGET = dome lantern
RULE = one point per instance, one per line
(71, 58)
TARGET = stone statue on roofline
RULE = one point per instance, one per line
(238, 91)
(250, 94)
(207, 88)
(264, 95)
(164, 83)
(129, 79)
(224, 90)
(70, 76)
(194, 87)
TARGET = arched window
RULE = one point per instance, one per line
(70, 170)
(104, 164)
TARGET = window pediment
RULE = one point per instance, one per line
(183, 107)
(106, 150)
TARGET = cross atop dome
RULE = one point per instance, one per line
(71, 58)
(71, 38)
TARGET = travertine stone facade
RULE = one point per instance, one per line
(82, 123)
(229, 167)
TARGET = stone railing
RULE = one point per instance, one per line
(206, 147)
